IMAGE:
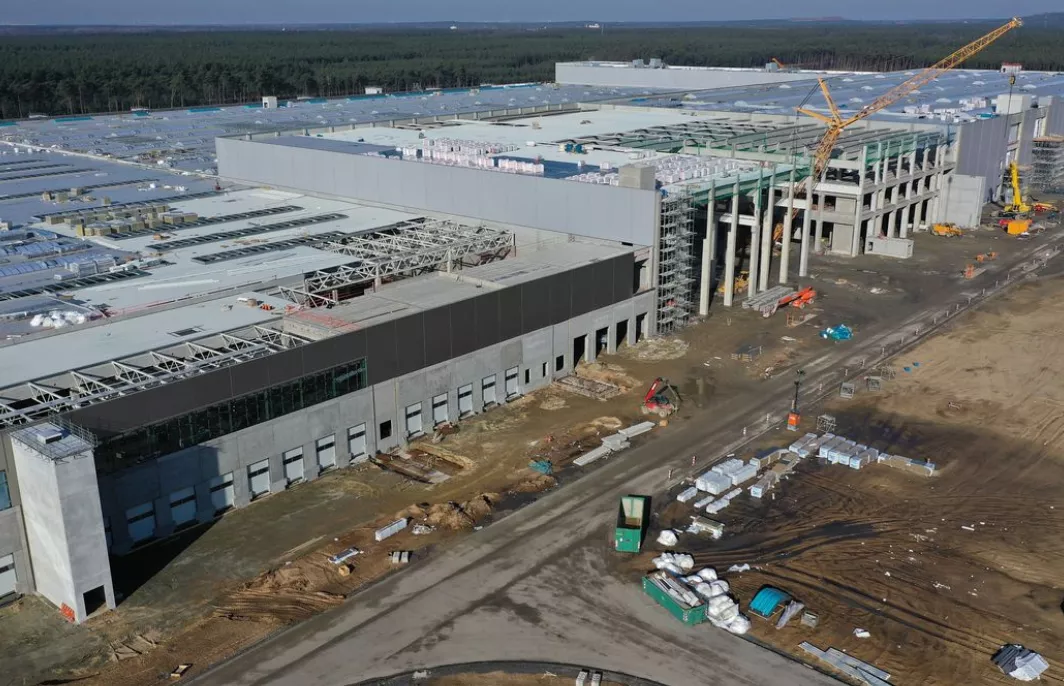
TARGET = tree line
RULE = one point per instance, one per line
(80, 74)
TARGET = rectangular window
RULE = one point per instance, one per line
(140, 521)
(356, 442)
(439, 409)
(465, 400)
(223, 494)
(559, 363)
(259, 478)
(386, 429)
(528, 376)
(183, 506)
(543, 370)
(326, 452)
(413, 420)
(487, 387)
(511, 383)
(5, 494)
(293, 465)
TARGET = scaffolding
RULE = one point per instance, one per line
(1047, 169)
(403, 249)
(676, 263)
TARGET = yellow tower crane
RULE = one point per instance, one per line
(837, 124)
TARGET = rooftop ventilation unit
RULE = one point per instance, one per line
(49, 435)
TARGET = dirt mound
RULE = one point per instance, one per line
(656, 349)
(286, 594)
(535, 484)
(453, 515)
(552, 403)
(608, 423)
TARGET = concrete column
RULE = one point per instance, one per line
(855, 243)
(819, 224)
(890, 224)
(709, 257)
(788, 230)
(807, 228)
(766, 234)
(729, 255)
(755, 239)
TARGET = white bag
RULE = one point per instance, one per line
(668, 538)
(708, 574)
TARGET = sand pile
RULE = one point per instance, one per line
(453, 515)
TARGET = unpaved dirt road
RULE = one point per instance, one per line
(539, 583)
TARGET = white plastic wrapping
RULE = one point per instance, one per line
(668, 538)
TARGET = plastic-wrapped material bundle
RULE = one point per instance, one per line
(668, 538)
(740, 625)
(708, 574)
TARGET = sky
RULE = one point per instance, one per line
(367, 11)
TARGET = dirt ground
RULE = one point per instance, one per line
(942, 570)
(199, 597)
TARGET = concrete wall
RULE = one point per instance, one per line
(155, 480)
(961, 199)
(981, 149)
(1055, 116)
(673, 78)
(12, 532)
(64, 527)
(604, 212)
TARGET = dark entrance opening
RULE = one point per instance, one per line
(622, 333)
(95, 600)
(579, 349)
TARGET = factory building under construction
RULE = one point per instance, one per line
(352, 285)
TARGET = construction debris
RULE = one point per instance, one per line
(391, 529)
(589, 388)
(399, 557)
(1019, 662)
(179, 671)
(851, 667)
(793, 608)
(344, 555)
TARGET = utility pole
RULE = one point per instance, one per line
(795, 417)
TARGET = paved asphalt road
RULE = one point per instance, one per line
(535, 585)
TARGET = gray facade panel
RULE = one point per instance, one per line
(1055, 118)
(604, 212)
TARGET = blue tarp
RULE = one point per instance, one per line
(768, 600)
(837, 333)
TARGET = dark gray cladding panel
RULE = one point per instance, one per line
(583, 297)
(560, 297)
(250, 376)
(463, 327)
(438, 327)
(409, 344)
(285, 366)
(511, 314)
(535, 304)
(487, 322)
(602, 283)
(623, 278)
(381, 362)
(332, 352)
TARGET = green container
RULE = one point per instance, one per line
(633, 515)
(688, 615)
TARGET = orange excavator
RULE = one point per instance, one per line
(658, 401)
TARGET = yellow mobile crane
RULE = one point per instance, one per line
(837, 124)
(1017, 206)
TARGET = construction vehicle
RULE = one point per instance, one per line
(794, 417)
(1017, 207)
(836, 124)
(947, 229)
(1018, 227)
(633, 518)
(658, 401)
(742, 279)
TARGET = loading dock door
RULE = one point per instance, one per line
(293, 465)
(183, 506)
(259, 478)
(356, 442)
(140, 521)
(326, 452)
(465, 400)
(223, 495)
(7, 575)
(439, 409)
(413, 420)
(511, 382)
